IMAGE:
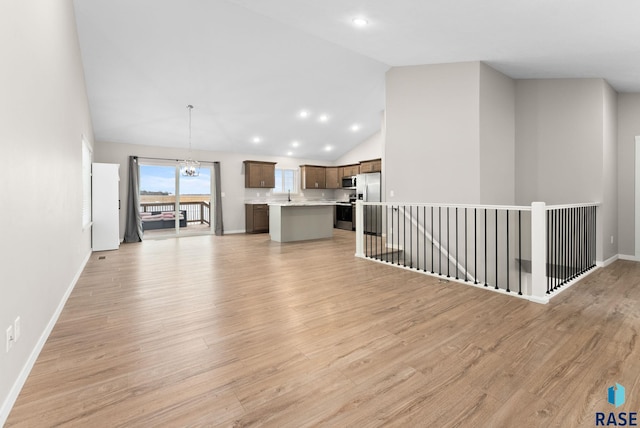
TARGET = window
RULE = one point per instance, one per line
(286, 181)
(86, 183)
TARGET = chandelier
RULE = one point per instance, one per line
(190, 167)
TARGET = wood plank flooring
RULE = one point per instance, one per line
(241, 331)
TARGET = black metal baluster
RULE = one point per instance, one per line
(364, 231)
(593, 236)
(507, 213)
(554, 232)
(558, 213)
(440, 240)
(465, 246)
(548, 232)
(392, 230)
(424, 240)
(475, 245)
(571, 241)
(417, 239)
(433, 234)
(565, 229)
(568, 245)
(558, 249)
(384, 237)
(398, 247)
(448, 244)
(457, 243)
(404, 236)
(520, 253)
(562, 247)
(583, 266)
(410, 235)
(577, 238)
(382, 215)
(585, 260)
(486, 284)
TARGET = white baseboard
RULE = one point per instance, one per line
(10, 400)
(233, 232)
(629, 258)
(608, 261)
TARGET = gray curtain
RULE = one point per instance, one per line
(219, 227)
(133, 229)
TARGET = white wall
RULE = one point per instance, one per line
(497, 137)
(628, 128)
(43, 114)
(231, 176)
(565, 148)
(431, 147)
(370, 148)
(559, 129)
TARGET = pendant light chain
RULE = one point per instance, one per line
(190, 107)
(190, 167)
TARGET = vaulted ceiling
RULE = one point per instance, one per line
(250, 67)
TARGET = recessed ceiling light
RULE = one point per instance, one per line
(303, 114)
(295, 144)
(359, 21)
(289, 153)
(355, 127)
(323, 118)
(328, 148)
(256, 140)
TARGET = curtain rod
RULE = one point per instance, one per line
(165, 159)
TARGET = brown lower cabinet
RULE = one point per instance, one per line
(256, 218)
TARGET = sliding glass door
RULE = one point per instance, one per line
(195, 201)
(172, 204)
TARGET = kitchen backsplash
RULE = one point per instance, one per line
(264, 195)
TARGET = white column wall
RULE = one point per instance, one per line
(431, 147)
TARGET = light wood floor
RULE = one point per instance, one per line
(241, 331)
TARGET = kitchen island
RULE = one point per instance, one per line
(300, 221)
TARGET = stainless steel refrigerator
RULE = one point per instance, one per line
(368, 190)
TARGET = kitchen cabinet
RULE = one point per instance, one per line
(374, 165)
(256, 218)
(332, 179)
(258, 174)
(350, 170)
(313, 177)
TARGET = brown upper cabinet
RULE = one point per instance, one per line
(313, 177)
(350, 170)
(374, 165)
(333, 181)
(259, 174)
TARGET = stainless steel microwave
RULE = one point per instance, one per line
(349, 182)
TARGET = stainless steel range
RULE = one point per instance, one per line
(345, 214)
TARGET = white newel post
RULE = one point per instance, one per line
(539, 253)
(359, 229)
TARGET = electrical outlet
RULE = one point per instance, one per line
(391, 193)
(17, 328)
(257, 195)
(10, 338)
(612, 239)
